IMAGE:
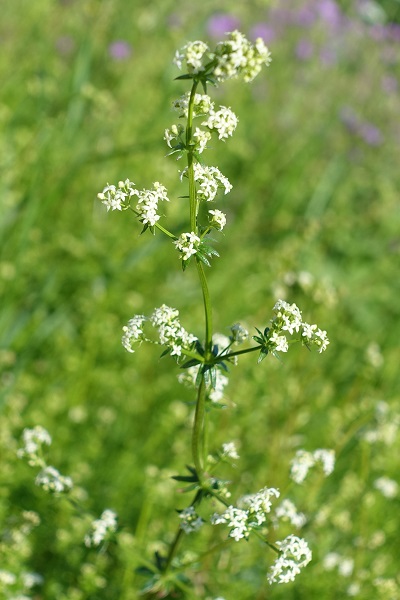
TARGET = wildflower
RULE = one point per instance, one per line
(294, 555)
(113, 198)
(300, 465)
(388, 487)
(187, 244)
(218, 219)
(210, 179)
(147, 203)
(224, 122)
(173, 133)
(250, 513)
(120, 50)
(100, 528)
(239, 333)
(193, 54)
(277, 342)
(170, 331)
(33, 440)
(133, 332)
(286, 511)
(229, 450)
(201, 138)
(303, 461)
(288, 317)
(237, 56)
(52, 481)
(202, 105)
(190, 520)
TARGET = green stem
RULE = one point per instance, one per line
(189, 147)
(207, 308)
(246, 351)
(198, 431)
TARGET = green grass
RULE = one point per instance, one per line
(309, 196)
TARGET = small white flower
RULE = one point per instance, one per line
(33, 440)
(52, 481)
(218, 219)
(295, 554)
(133, 332)
(286, 511)
(229, 450)
(300, 465)
(193, 54)
(239, 333)
(190, 520)
(100, 528)
(388, 487)
(224, 122)
(187, 244)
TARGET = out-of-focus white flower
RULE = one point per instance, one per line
(101, 528)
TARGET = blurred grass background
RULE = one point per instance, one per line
(313, 218)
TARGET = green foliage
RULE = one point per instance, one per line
(313, 218)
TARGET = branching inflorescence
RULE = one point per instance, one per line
(204, 362)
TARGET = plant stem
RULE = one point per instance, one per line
(189, 147)
(198, 431)
(207, 309)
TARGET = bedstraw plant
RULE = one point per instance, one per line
(204, 363)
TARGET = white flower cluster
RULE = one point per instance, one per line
(388, 487)
(250, 513)
(170, 331)
(217, 219)
(304, 461)
(174, 133)
(239, 333)
(210, 179)
(48, 478)
(33, 440)
(118, 198)
(52, 481)
(229, 451)
(294, 555)
(215, 394)
(190, 520)
(192, 53)
(133, 332)
(334, 560)
(223, 121)
(100, 528)
(201, 139)
(231, 58)
(238, 56)
(202, 105)
(187, 244)
(288, 319)
(287, 511)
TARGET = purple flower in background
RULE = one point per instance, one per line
(370, 134)
(120, 50)
(349, 118)
(305, 16)
(264, 31)
(221, 23)
(394, 31)
(304, 50)
(329, 12)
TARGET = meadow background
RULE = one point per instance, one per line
(313, 218)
